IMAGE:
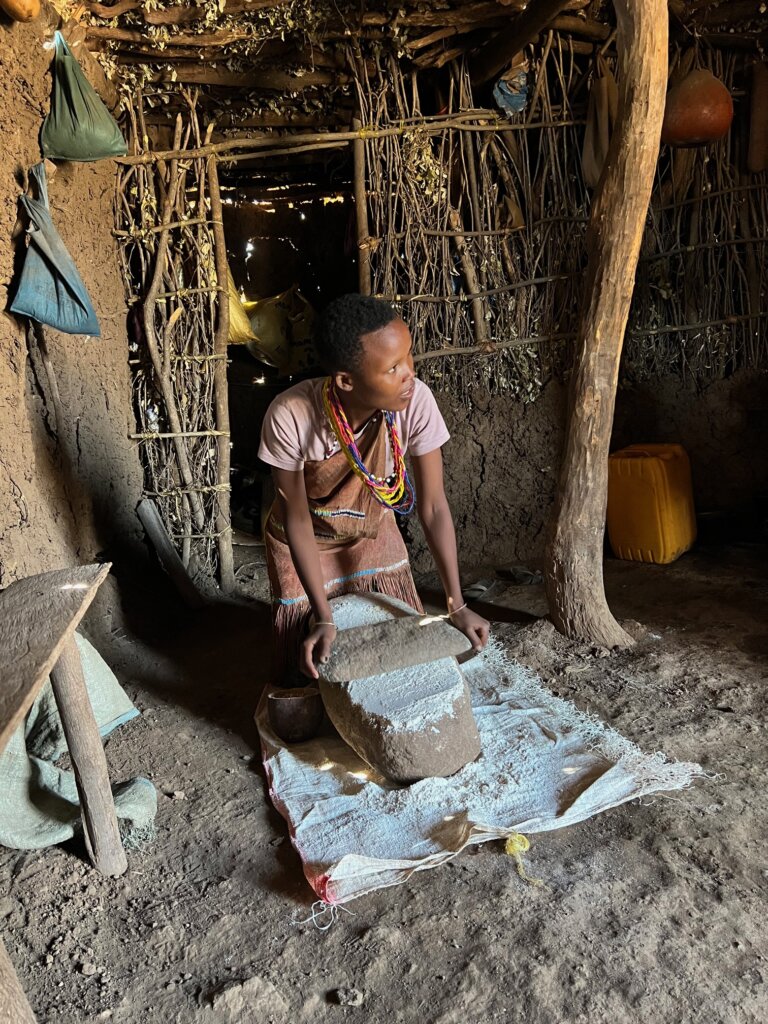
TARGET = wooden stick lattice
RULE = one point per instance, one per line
(171, 243)
(476, 229)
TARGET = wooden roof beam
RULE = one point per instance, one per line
(256, 78)
(499, 51)
(175, 15)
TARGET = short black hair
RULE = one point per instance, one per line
(342, 324)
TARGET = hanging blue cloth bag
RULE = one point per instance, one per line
(50, 290)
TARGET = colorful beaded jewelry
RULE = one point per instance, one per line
(398, 495)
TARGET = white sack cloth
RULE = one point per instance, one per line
(544, 765)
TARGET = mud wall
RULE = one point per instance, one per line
(501, 463)
(724, 429)
(500, 474)
(69, 483)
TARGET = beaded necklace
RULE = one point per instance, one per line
(399, 495)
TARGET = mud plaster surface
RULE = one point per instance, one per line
(68, 489)
(502, 460)
(652, 913)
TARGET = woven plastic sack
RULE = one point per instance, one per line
(50, 290)
(239, 325)
(284, 324)
(79, 126)
(544, 765)
(39, 800)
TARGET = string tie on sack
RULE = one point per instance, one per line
(319, 910)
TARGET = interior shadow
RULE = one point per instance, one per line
(493, 612)
(213, 661)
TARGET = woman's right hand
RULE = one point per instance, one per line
(316, 648)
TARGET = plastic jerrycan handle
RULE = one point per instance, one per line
(641, 453)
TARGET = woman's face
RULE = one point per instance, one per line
(384, 377)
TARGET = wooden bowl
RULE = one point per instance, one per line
(297, 714)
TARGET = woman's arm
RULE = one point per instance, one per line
(293, 509)
(435, 515)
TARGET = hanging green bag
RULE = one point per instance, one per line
(79, 126)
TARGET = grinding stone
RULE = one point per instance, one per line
(377, 648)
(410, 724)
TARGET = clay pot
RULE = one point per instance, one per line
(698, 110)
(295, 715)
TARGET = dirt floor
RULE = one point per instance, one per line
(651, 913)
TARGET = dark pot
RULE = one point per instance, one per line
(295, 715)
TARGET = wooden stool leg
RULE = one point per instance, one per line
(102, 836)
(14, 1008)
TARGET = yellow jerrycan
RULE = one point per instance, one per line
(651, 517)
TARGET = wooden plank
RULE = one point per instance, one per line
(14, 1008)
(102, 835)
(37, 617)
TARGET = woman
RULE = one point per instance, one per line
(336, 447)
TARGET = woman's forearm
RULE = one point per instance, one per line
(441, 538)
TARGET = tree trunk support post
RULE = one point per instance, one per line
(102, 836)
(574, 561)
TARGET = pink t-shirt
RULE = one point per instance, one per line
(296, 429)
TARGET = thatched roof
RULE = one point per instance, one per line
(247, 53)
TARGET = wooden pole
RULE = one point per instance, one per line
(501, 48)
(167, 553)
(220, 394)
(160, 364)
(574, 562)
(175, 15)
(14, 1008)
(102, 836)
(480, 326)
(491, 121)
(361, 211)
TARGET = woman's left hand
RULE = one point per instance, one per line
(473, 626)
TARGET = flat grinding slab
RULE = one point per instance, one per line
(409, 724)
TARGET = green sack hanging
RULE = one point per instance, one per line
(79, 126)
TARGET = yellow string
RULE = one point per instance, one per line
(516, 845)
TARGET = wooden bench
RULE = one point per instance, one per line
(38, 618)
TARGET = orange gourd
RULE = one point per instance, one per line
(21, 10)
(698, 110)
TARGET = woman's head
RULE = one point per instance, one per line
(367, 348)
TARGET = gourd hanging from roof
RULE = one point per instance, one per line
(699, 109)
